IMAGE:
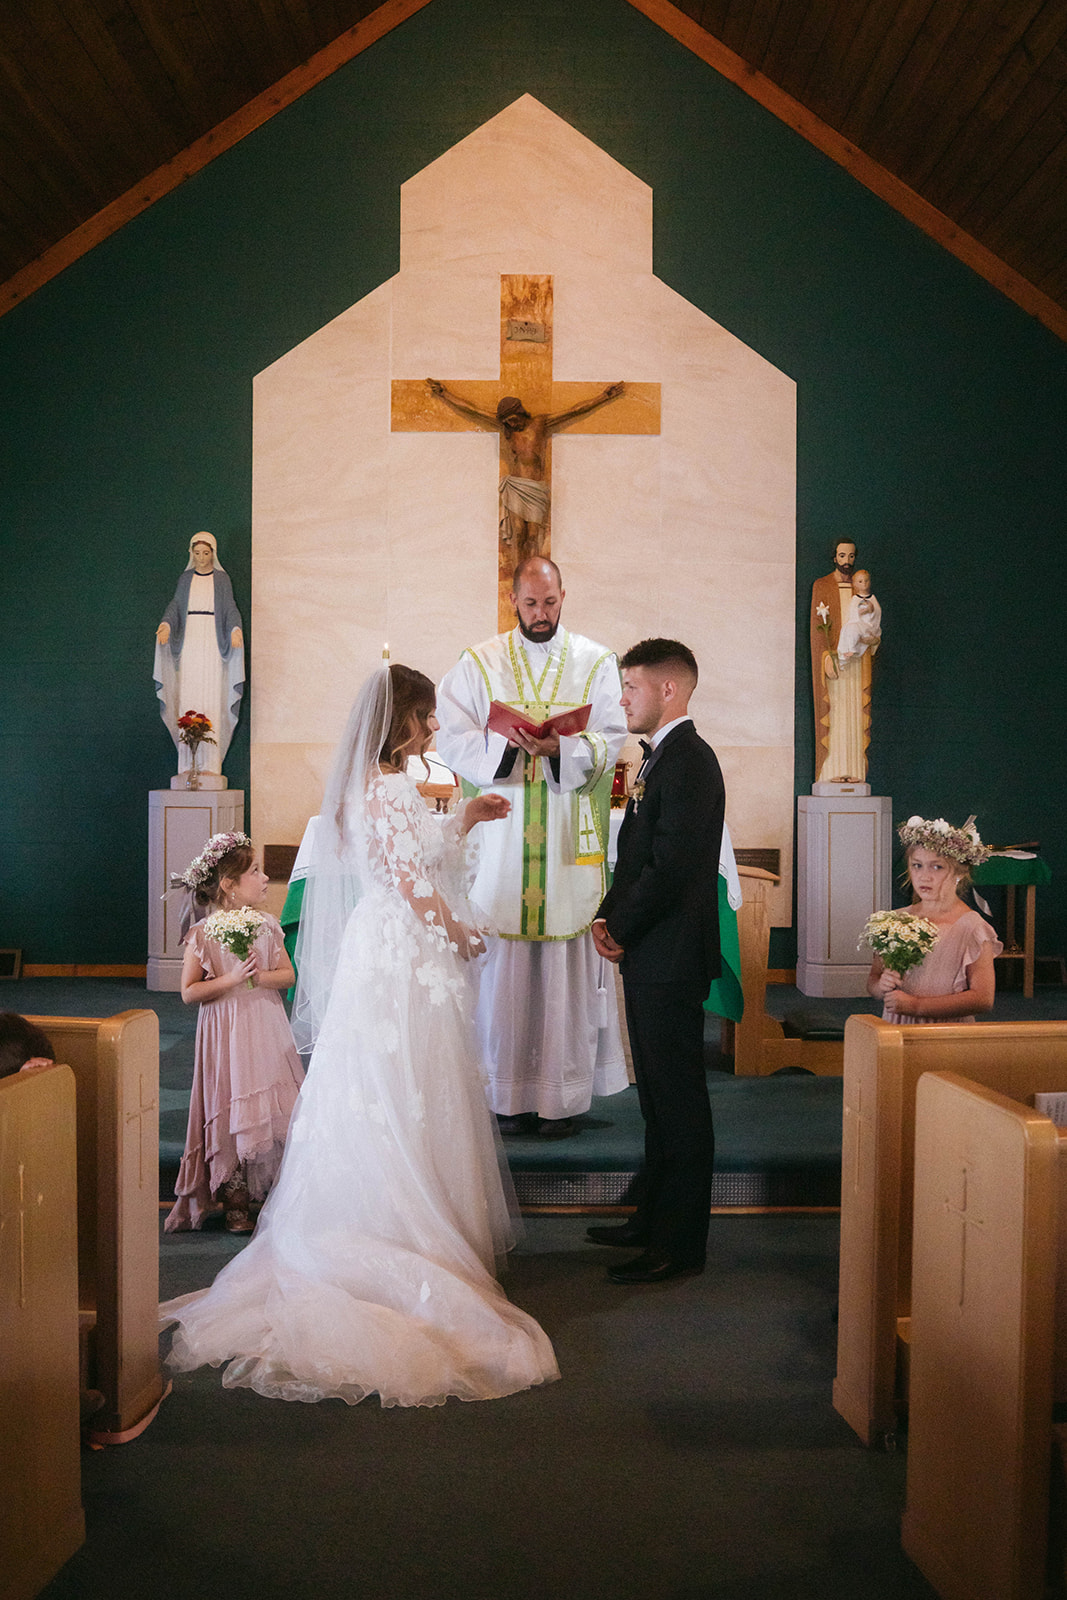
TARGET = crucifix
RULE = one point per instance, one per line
(525, 406)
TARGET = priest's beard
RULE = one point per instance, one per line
(540, 632)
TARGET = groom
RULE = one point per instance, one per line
(660, 922)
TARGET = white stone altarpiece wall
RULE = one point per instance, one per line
(362, 535)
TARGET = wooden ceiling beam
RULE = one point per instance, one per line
(861, 166)
(964, 104)
(220, 139)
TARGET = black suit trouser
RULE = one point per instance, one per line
(672, 1191)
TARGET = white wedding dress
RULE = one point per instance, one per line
(371, 1268)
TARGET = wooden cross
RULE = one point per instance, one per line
(138, 1116)
(967, 1219)
(526, 372)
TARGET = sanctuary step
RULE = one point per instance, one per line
(778, 1137)
(777, 1143)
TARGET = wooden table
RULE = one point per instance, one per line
(1012, 873)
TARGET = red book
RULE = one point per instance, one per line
(505, 719)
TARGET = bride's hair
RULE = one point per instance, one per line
(414, 695)
(386, 700)
(378, 732)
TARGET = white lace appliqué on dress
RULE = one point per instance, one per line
(371, 1269)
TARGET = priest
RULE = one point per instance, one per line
(547, 1018)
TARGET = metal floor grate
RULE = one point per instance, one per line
(740, 1189)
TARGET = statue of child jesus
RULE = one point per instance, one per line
(862, 628)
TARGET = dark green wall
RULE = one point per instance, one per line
(931, 429)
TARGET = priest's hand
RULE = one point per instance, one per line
(604, 944)
(547, 747)
(236, 639)
(484, 808)
(163, 633)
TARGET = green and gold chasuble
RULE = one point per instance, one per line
(542, 872)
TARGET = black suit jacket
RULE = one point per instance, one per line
(663, 904)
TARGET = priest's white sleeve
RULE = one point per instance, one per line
(463, 742)
(585, 757)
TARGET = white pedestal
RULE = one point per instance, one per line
(208, 780)
(845, 852)
(180, 823)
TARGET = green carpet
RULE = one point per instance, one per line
(690, 1452)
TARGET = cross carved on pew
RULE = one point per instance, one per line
(860, 1120)
(18, 1217)
(138, 1116)
(965, 1212)
(524, 406)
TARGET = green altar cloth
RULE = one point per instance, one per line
(726, 998)
(1008, 870)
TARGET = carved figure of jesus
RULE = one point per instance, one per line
(524, 490)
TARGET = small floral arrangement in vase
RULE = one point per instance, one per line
(236, 930)
(899, 939)
(194, 729)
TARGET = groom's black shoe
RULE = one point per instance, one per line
(617, 1233)
(654, 1268)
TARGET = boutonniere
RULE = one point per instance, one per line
(637, 793)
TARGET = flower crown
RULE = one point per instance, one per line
(959, 844)
(199, 869)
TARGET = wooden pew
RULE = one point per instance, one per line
(760, 1044)
(41, 1518)
(987, 1340)
(115, 1061)
(883, 1063)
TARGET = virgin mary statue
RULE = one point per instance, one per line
(200, 656)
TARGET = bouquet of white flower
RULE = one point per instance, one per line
(236, 930)
(899, 938)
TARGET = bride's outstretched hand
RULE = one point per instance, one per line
(468, 940)
(485, 808)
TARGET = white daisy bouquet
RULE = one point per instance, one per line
(236, 930)
(899, 938)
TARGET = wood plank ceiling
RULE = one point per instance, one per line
(964, 101)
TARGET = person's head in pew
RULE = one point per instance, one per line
(22, 1045)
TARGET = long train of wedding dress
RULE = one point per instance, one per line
(371, 1268)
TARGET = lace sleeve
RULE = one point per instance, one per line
(398, 821)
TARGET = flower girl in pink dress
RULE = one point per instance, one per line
(956, 978)
(247, 1072)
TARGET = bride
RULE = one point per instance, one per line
(371, 1268)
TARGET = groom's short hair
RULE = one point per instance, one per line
(669, 655)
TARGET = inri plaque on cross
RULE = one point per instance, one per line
(525, 406)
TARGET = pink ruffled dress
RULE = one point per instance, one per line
(246, 1079)
(944, 970)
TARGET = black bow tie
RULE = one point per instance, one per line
(646, 747)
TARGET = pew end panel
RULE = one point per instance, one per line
(760, 1043)
(988, 1206)
(41, 1517)
(883, 1064)
(116, 1067)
